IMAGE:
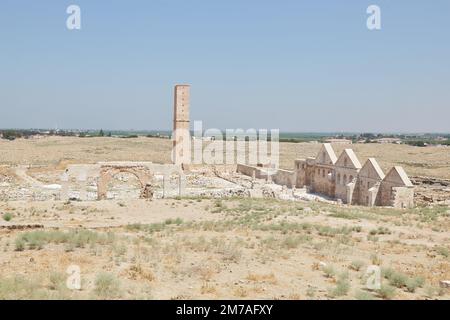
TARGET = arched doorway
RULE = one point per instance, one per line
(109, 173)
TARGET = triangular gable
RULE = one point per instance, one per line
(398, 176)
(326, 155)
(348, 159)
(372, 169)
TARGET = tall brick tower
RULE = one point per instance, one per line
(181, 151)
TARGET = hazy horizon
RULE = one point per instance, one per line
(146, 131)
(297, 66)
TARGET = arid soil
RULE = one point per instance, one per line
(204, 248)
(235, 248)
(417, 161)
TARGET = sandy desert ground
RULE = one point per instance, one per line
(193, 248)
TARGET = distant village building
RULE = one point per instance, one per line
(339, 141)
(388, 140)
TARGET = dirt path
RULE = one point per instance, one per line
(21, 172)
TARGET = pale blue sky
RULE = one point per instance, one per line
(294, 65)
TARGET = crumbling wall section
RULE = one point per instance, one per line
(402, 197)
(284, 178)
(250, 171)
(323, 180)
(300, 173)
(344, 176)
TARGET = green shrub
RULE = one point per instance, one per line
(56, 280)
(19, 287)
(331, 232)
(380, 230)
(398, 279)
(413, 283)
(356, 265)
(19, 244)
(387, 272)
(291, 242)
(342, 286)
(75, 239)
(363, 295)
(155, 227)
(106, 285)
(176, 221)
(7, 217)
(401, 280)
(386, 292)
(443, 251)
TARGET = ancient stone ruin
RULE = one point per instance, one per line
(104, 172)
(181, 135)
(343, 178)
(108, 171)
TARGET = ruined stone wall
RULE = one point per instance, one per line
(343, 176)
(309, 172)
(107, 173)
(250, 171)
(281, 177)
(350, 193)
(284, 178)
(386, 194)
(300, 173)
(397, 197)
(374, 195)
(403, 197)
(363, 192)
(323, 180)
(345, 180)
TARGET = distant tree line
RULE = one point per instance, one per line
(14, 134)
(426, 142)
(419, 140)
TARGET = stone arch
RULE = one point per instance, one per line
(107, 173)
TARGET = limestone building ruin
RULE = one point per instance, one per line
(181, 137)
(345, 179)
(76, 176)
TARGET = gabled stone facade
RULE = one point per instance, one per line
(346, 171)
(369, 182)
(344, 178)
(396, 189)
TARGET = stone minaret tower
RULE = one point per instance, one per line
(181, 151)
